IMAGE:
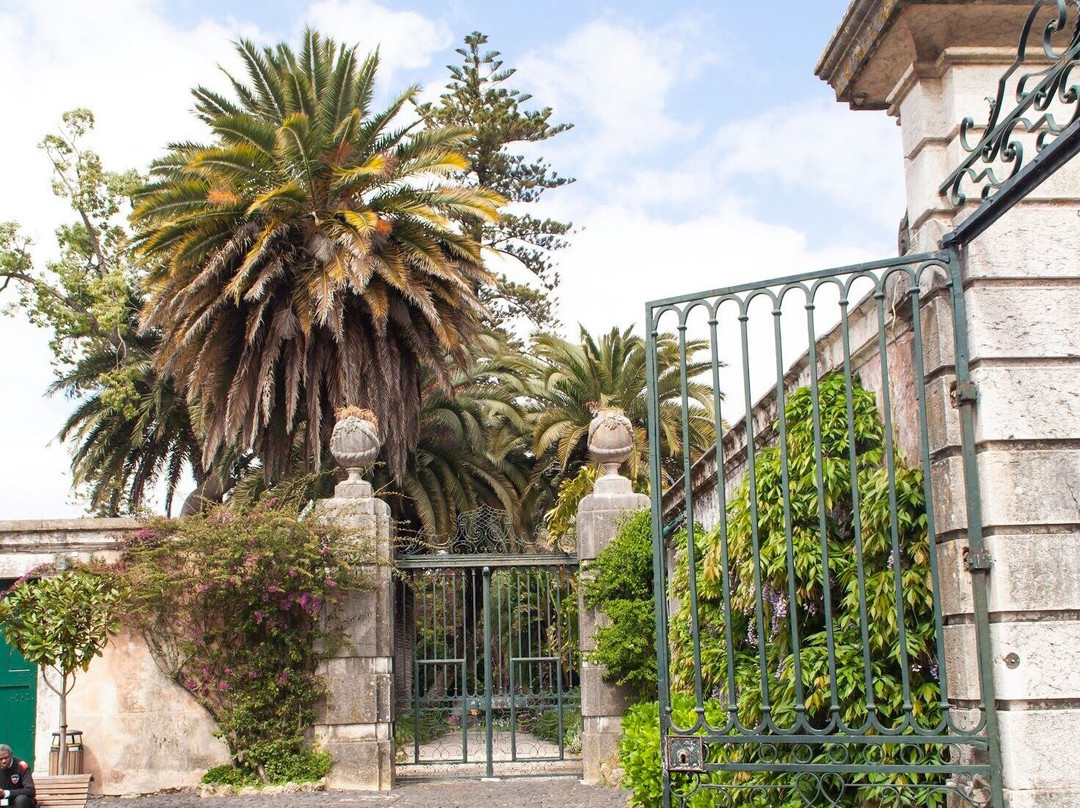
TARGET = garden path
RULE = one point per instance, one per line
(546, 792)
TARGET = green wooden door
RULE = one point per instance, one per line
(18, 699)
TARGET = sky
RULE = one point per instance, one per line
(705, 151)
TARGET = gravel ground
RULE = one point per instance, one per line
(537, 792)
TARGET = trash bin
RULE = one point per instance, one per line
(74, 753)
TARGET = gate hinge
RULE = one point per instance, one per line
(685, 754)
(977, 560)
(961, 393)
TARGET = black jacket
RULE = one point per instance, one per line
(18, 779)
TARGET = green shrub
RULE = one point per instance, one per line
(639, 754)
(287, 767)
(620, 585)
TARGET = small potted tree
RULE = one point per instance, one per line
(60, 623)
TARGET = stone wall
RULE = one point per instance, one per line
(141, 731)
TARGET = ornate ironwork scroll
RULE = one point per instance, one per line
(485, 530)
(1046, 103)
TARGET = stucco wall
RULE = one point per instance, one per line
(141, 731)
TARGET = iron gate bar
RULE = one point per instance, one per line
(903, 731)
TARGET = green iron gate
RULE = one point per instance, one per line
(802, 660)
(809, 603)
(18, 698)
(486, 664)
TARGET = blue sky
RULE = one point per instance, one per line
(705, 150)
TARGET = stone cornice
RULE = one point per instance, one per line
(884, 37)
(852, 43)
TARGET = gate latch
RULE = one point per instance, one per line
(685, 754)
(961, 393)
(977, 560)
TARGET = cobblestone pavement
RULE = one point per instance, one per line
(539, 792)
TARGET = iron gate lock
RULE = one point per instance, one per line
(683, 754)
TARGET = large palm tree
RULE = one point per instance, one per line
(123, 447)
(576, 379)
(306, 258)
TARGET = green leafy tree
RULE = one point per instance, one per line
(306, 259)
(477, 98)
(61, 623)
(130, 427)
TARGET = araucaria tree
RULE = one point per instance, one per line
(477, 98)
(307, 257)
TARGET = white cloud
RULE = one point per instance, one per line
(854, 158)
(625, 257)
(406, 40)
(614, 83)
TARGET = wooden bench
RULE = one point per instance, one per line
(63, 790)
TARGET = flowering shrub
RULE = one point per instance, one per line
(237, 609)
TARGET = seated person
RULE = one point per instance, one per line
(16, 781)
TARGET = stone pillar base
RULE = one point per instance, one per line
(363, 756)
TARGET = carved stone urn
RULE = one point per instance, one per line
(355, 443)
(611, 439)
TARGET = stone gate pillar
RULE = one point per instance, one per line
(611, 440)
(356, 721)
(930, 64)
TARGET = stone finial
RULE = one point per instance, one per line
(355, 444)
(611, 439)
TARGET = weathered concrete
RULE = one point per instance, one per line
(355, 722)
(602, 704)
(141, 732)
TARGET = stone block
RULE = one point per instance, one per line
(1048, 665)
(936, 320)
(962, 662)
(1039, 752)
(1035, 572)
(359, 691)
(598, 520)
(588, 621)
(1047, 661)
(1006, 249)
(1027, 402)
(954, 580)
(598, 698)
(1042, 798)
(599, 748)
(1023, 321)
(363, 765)
(942, 419)
(1030, 486)
(948, 492)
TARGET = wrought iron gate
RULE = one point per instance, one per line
(802, 655)
(487, 655)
